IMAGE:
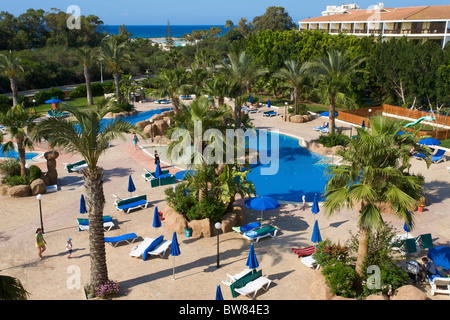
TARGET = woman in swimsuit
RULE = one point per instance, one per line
(40, 242)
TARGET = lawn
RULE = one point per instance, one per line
(78, 102)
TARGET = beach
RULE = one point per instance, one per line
(196, 275)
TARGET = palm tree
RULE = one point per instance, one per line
(19, 123)
(334, 73)
(114, 55)
(170, 83)
(12, 289)
(219, 88)
(84, 55)
(242, 70)
(11, 67)
(295, 76)
(377, 174)
(84, 133)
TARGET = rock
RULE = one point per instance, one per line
(174, 221)
(201, 228)
(20, 191)
(4, 190)
(142, 124)
(319, 289)
(232, 219)
(160, 127)
(408, 292)
(377, 297)
(38, 187)
(296, 119)
(51, 174)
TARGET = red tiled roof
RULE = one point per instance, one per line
(387, 14)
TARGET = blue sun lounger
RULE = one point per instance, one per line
(438, 156)
(128, 238)
(269, 114)
(255, 235)
(247, 227)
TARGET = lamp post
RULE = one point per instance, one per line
(151, 129)
(101, 63)
(27, 166)
(218, 226)
(34, 105)
(370, 112)
(285, 110)
(39, 197)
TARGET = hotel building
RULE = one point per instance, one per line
(416, 23)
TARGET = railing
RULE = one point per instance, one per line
(392, 31)
(347, 31)
(360, 30)
(334, 30)
(374, 31)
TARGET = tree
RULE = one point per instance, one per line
(84, 133)
(241, 70)
(114, 55)
(11, 66)
(170, 83)
(295, 76)
(19, 123)
(84, 55)
(229, 24)
(12, 289)
(169, 38)
(377, 173)
(333, 74)
(275, 18)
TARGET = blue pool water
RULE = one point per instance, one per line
(300, 172)
(15, 154)
(141, 116)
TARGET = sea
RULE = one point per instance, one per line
(160, 31)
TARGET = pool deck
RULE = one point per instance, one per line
(196, 274)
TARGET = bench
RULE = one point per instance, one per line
(76, 166)
(128, 204)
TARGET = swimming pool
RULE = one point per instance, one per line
(141, 116)
(300, 171)
(15, 154)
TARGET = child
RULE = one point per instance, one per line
(135, 141)
(40, 242)
(69, 248)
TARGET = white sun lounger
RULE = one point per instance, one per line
(251, 289)
(106, 225)
(439, 285)
(139, 250)
(310, 262)
(230, 278)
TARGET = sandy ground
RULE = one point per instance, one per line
(196, 274)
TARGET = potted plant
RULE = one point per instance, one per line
(420, 207)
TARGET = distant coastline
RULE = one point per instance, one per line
(158, 32)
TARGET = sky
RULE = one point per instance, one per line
(193, 12)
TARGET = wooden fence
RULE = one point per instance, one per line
(359, 115)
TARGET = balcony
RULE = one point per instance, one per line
(375, 31)
(335, 30)
(392, 31)
(347, 31)
(360, 30)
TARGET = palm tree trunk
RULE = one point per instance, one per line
(14, 90)
(362, 249)
(21, 151)
(87, 76)
(174, 103)
(95, 201)
(332, 111)
(117, 83)
(296, 100)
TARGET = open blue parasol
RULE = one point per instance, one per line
(268, 103)
(440, 256)
(181, 175)
(316, 238)
(252, 262)
(429, 142)
(327, 114)
(174, 251)
(156, 220)
(250, 98)
(262, 204)
(53, 101)
(82, 205)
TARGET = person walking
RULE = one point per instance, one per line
(135, 141)
(156, 157)
(69, 248)
(40, 242)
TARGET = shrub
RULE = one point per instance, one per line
(42, 96)
(180, 199)
(341, 278)
(35, 173)
(16, 180)
(107, 290)
(329, 253)
(10, 167)
(334, 139)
